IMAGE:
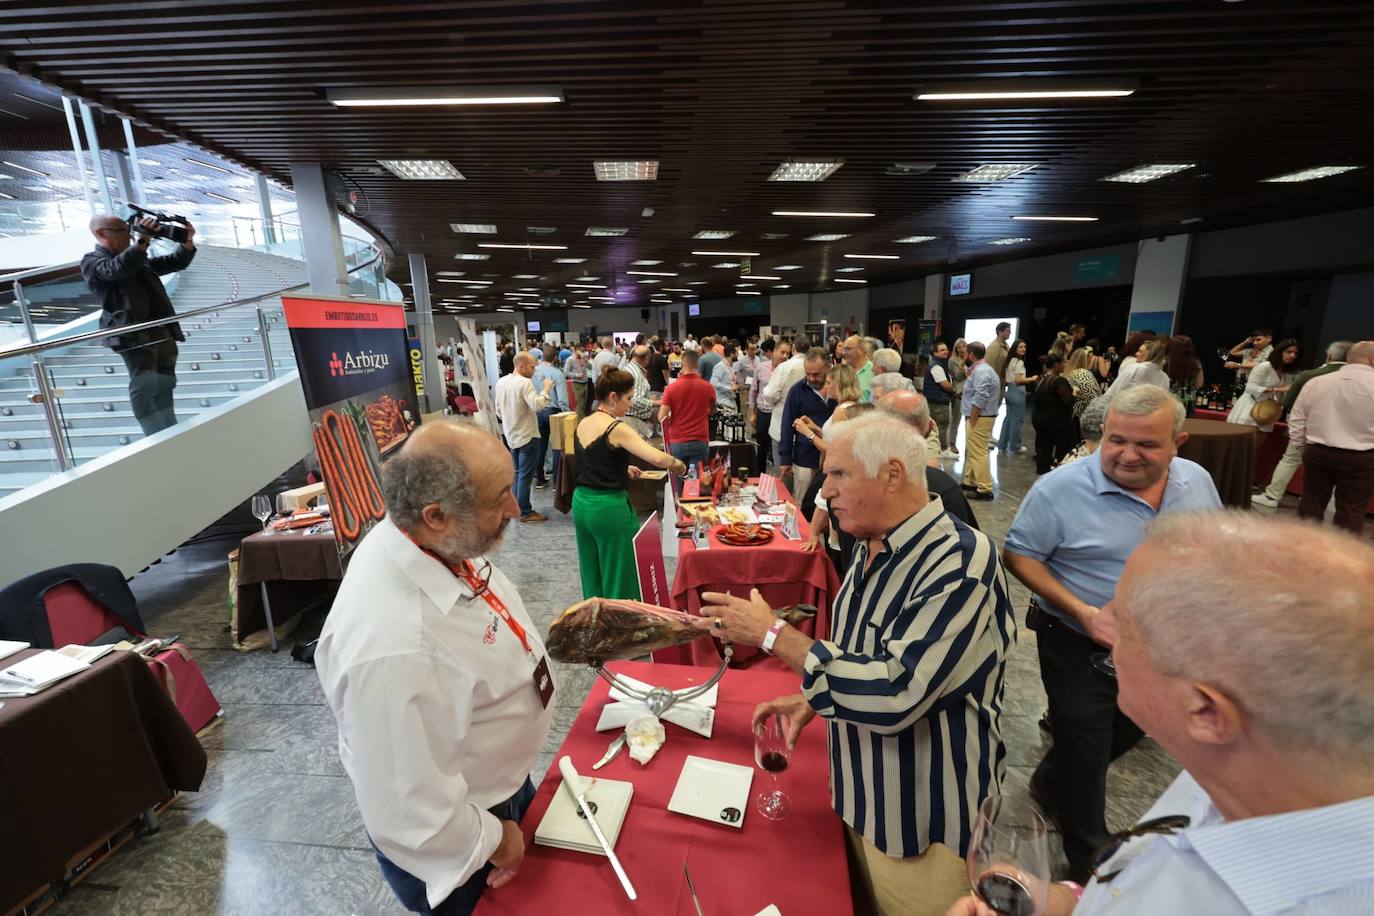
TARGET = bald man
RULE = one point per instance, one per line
(126, 279)
(912, 407)
(1332, 421)
(437, 676)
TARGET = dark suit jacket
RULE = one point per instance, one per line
(131, 292)
(24, 616)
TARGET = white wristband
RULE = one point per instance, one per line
(772, 635)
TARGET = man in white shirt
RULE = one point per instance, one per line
(437, 676)
(1332, 421)
(605, 357)
(785, 375)
(1269, 705)
(517, 407)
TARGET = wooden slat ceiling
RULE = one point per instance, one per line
(721, 91)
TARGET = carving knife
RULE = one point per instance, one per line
(574, 784)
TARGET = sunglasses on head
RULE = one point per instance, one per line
(1163, 826)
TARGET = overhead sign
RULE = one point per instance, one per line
(1096, 270)
(960, 284)
(417, 368)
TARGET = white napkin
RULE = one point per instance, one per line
(696, 715)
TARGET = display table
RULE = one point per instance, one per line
(281, 573)
(80, 761)
(780, 570)
(1269, 447)
(645, 495)
(741, 454)
(736, 871)
(1227, 451)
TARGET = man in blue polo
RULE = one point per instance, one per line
(1068, 544)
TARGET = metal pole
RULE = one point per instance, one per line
(266, 344)
(76, 150)
(265, 210)
(131, 148)
(123, 181)
(46, 396)
(93, 141)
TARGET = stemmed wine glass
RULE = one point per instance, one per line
(283, 508)
(1009, 858)
(772, 754)
(262, 509)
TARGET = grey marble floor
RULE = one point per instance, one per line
(275, 827)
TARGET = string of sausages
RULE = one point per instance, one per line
(354, 495)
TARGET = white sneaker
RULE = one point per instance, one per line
(948, 454)
(1022, 450)
(1264, 499)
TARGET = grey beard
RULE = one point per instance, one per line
(467, 542)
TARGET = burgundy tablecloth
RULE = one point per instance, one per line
(736, 871)
(1269, 448)
(780, 570)
(299, 569)
(1227, 451)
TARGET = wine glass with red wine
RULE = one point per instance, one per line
(1009, 858)
(772, 754)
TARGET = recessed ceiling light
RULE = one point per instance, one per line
(650, 273)
(25, 168)
(576, 306)
(606, 231)
(522, 295)
(995, 171)
(651, 281)
(421, 169)
(586, 285)
(470, 256)
(502, 308)
(855, 214)
(568, 260)
(1012, 89)
(675, 289)
(602, 298)
(1056, 219)
(452, 273)
(529, 289)
(914, 239)
(796, 170)
(725, 265)
(847, 280)
(757, 277)
(782, 286)
(644, 263)
(219, 197)
(523, 277)
(746, 284)
(1009, 241)
(444, 95)
(827, 237)
(585, 279)
(1143, 173)
(714, 234)
(1190, 220)
(626, 170)
(475, 282)
(874, 257)
(473, 228)
(1320, 171)
(697, 282)
(788, 267)
(444, 280)
(727, 254)
(541, 230)
(847, 270)
(522, 246)
(746, 292)
(208, 165)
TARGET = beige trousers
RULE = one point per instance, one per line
(977, 471)
(924, 885)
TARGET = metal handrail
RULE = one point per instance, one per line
(39, 271)
(52, 344)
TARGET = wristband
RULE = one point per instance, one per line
(1073, 887)
(772, 635)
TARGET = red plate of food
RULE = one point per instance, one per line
(744, 534)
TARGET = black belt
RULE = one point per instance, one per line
(1038, 619)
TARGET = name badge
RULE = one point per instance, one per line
(543, 682)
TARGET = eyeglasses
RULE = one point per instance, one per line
(1163, 826)
(484, 581)
(121, 229)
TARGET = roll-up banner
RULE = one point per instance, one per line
(355, 368)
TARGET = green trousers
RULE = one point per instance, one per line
(606, 527)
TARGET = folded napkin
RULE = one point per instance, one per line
(696, 715)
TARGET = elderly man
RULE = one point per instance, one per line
(605, 359)
(886, 360)
(923, 622)
(1292, 456)
(128, 283)
(518, 407)
(886, 383)
(437, 676)
(796, 451)
(1068, 544)
(856, 357)
(1333, 422)
(1268, 704)
(644, 401)
(771, 354)
(913, 408)
(982, 399)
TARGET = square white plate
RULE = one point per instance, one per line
(713, 790)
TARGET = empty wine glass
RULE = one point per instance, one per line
(262, 509)
(772, 754)
(1009, 858)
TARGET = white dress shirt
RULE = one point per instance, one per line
(1336, 410)
(788, 373)
(1318, 862)
(518, 406)
(436, 706)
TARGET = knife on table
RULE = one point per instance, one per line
(579, 791)
(615, 748)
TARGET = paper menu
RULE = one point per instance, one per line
(10, 646)
(38, 671)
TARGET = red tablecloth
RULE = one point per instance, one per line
(780, 570)
(736, 871)
(1269, 448)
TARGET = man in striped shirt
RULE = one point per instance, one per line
(911, 682)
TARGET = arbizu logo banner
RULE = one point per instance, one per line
(354, 361)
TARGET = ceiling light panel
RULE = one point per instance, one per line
(826, 237)
(645, 263)
(650, 273)
(524, 277)
(714, 234)
(1056, 219)
(846, 280)
(1143, 173)
(421, 169)
(606, 231)
(1017, 240)
(209, 165)
(841, 214)
(914, 239)
(568, 260)
(847, 270)
(723, 265)
(470, 256)
(727, 254)
(1320, 171)
(757, 277)
(788, 267)
(1019, 89)
(998, 171)
(522, 246)
(773, 236)
(874, 257)
(473, 228)
(429, 96)
(800, 170)
(626, 169)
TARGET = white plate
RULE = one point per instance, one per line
(713, 790)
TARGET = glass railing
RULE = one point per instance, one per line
(21, 218)
(65, 398)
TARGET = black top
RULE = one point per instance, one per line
(658, 371)
(1053, 399)
(601, 465)
(131, 292)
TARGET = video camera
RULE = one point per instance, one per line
(172, 228)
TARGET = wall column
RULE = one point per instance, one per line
(269, 229)
(324, 254)
(424, 329)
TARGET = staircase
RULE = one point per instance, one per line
(221, 359)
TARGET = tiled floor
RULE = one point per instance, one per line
(275, 828)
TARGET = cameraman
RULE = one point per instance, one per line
(126, 280)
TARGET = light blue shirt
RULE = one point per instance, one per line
(558, 395)
(1083, 526)
(722, 378)
(984, 391)
(1318, 862)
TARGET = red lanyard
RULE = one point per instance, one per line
(467, 574)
